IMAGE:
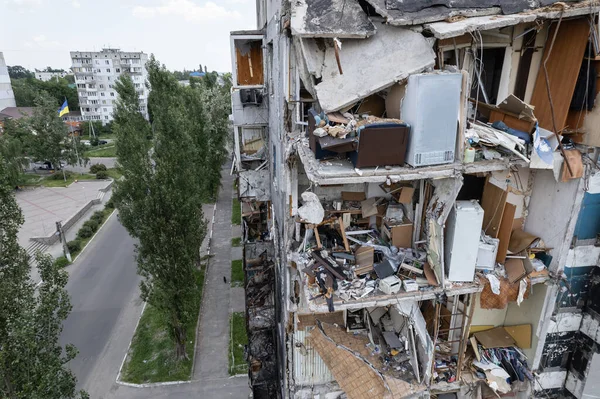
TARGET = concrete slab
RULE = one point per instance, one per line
(431, 14)
(238, 301)
(236, 253)
(236, 230)
(43, 207)
(399, 52)
(333, 18)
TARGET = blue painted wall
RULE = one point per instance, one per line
(588, 223)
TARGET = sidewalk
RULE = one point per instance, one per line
(213, 334)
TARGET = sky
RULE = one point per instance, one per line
(180, 33)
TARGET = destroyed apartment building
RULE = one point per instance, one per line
(420, 197)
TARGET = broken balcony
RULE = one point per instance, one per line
(365, 245)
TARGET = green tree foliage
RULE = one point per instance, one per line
(32, 362)
(165, 180)
(28, 89)
(99, 128)
(19, 72)
(12, 149)
(49, 140)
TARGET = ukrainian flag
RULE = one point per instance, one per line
(64, 109)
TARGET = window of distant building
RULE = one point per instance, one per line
(118, 70)
(108, 70)
(107, 62)
(112, 94)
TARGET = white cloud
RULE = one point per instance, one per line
(76, 4)
(186, 9)
(24, 5)
(41, 41)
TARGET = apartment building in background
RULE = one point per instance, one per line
(7, 96)
(46, 76)
(420, 198)
(95, 75)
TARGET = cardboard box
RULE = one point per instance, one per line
(400, 235)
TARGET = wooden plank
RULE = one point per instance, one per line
(250, 64)
(505, 230)
(343, 231)
(492, 202)
(563, 68)
(317, 237)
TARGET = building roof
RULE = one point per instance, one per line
(16, 112)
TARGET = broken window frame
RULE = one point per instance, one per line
(234, 74)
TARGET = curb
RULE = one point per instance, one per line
(118, 380)
(197, 330)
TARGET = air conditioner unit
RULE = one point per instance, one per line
(251, 97)
(432, 106)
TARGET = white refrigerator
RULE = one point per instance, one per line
(463, 229)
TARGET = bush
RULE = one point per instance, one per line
(74, 246)
(95, 141)
(109, 204)
(85, 232)
(92, 224)
(102, 175)
(98, 216)
(97, 167)
(61, 262)
(58, 175)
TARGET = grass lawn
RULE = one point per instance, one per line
(237, 339)
(29, 180)
(237, 273)
(151, 357)
(114, 173)
(60, 182)
(33, 180)
(106, 151)
(236, 212)
(236, 242)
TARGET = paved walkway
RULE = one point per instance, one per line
(42, 207)
(213, 334)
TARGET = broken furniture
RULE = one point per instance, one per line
(515, 113)
(381, 144)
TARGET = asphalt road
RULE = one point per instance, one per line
(109, 162)
(104, 289)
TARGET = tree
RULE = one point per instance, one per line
(19, 72)
(50, 141)
(27, 90)
(12, 150)
(32, 362)
(160, 197)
